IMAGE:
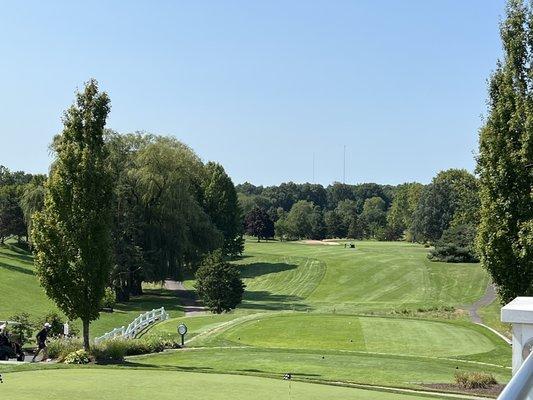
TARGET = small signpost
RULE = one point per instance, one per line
(182, 330)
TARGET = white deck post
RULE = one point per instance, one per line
(519, 313)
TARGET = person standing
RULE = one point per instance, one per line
(42, 336)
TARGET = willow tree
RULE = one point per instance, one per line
(505, 234)
(72, 233)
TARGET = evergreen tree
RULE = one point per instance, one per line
(505, 234)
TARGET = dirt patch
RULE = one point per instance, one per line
(318, 242)
(492, 391)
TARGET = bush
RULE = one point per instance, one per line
(456, 245)
(22, 330)
(77, 357)
(475, 380)
(110, 350)
(60, 348)
(109, 299)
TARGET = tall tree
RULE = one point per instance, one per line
(11, 215)
(72, 233)
(222, 206)
(259, 224)
(505, 234)
(32, 200)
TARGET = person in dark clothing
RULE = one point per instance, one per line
(42, 336)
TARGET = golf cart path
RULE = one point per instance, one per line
(190, 303)
(488, 298)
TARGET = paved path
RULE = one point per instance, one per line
(488, 297)
(191, 304)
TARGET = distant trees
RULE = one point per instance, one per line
(259, 224)
(505, 235)
(219, 284)
(72, 233)
(11, 215)
(451, 199)
(404, 204)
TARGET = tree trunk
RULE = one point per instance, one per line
(86, 335)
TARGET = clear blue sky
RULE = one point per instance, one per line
(260, 85)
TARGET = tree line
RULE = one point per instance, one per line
(446, 209)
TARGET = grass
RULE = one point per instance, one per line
(380, 314)
(108, 384)
(376, 276)
(20, 292)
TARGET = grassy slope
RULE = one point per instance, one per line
(20, 292)
(322, 280)
(374, 276)
(103, 384)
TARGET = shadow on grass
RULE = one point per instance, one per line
(21, 254)
(264, 300)
(254, 270)
(132, 364)
(14, 268)
(152, 298)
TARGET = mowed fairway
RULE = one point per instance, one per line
(113, 384)
(374, 276)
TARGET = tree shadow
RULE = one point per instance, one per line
(20, 254)
(151, 299)
(264, 300)
(254, 270)
(133, 364)
(15, 268)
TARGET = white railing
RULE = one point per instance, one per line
(520, 387)
(136, 326)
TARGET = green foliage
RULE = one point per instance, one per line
(404, 204)
(77, 357)
(451, 199)
(457, 244)
(72, 234)
(22, 329)
(56, 322)
(219, 284)
(374, 216)
(32, 200)
(259, 224)
(475, 380)
(109, 299)
(11, 215)
(222, 206)
(59, 348)
(505, 236)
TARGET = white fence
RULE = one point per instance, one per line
(136, 326)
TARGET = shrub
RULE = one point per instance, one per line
(109, 299)
(475, 380)
(77, 357)
(60, 348)
(110, 350)
(22, 329)
(456, 245)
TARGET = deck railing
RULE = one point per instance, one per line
(520, 387)
(136, 326)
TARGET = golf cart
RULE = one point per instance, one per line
(10, 347)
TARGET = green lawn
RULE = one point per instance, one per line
(112, 384)
(380, 314)
(20, 292)
(376, 276)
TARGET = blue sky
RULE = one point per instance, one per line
(260, 86)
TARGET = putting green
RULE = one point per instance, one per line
(112, 384)
(373, 334)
